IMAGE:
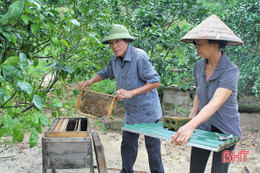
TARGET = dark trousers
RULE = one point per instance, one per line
(199, 159)
(129, 149)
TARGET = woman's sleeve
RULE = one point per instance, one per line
(229, 79)
(195, 74)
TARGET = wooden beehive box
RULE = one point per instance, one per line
(95, 103)
(174, 123)
(67, 144)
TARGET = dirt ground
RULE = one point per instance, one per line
(22, 159)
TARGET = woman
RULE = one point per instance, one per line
(215, 106)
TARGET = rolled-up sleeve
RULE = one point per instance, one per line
(107, 72)
(146, 71)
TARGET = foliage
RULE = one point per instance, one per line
(244, 20)
(33, 35)
(47, 44)
(157, 27)
(105, 86)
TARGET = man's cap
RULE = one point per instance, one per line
(117, 32)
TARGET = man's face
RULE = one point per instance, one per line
(119, 47)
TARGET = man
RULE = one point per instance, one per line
(137, 82)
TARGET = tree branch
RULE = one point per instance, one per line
(8, 100)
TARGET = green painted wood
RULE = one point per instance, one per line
(200, 138)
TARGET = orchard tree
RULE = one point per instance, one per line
(243, 18)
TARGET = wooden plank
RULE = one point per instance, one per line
(63, 125)
(69, 155)
(76, 125)
(99, 151)
(111, 108)
(67, 134)
(95, 103)
(78, 102)
(53, 124)
(88, 116)
(79, 125)
(58, 125)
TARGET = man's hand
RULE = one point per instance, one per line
(182, 136)
(123, 94)
(84, 85)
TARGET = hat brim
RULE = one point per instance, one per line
(117, 36)
(212, 28)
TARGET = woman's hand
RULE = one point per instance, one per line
(182, 136)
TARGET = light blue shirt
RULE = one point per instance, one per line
(134, 71)
(226, 75)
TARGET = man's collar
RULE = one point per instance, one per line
(128, 53)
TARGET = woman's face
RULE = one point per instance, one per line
(204, 49)
(119, 47)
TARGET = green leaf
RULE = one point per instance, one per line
(2, 132)
(10, 72)
(55, 40)
(37, 4)
(25, 86)
(8, 123)
(65, 43)
(33, 138)
(44, 120)
(39, 128)
(69, 69)
(34, 28)
(10, 37)
(56, 103)
(13, 61)
(38, 101)
(14, 13)
(35, 120)
(25, 19)
(18, 134)
(54, 114)
(23, 61)
(35, 62)
(75, 22)
(2, 79)
(22, 57)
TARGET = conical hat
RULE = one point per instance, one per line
(212, 28)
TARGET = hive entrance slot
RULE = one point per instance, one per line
(71, 125)
(84, 125)
(77, 125)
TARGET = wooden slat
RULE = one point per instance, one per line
(99, 151)
(111, 108)
(67, 134)
(88, 116)
(79, 125)
(76, 125)
(58, 125)
(53, 124)
(63, 125)
(78, 102)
